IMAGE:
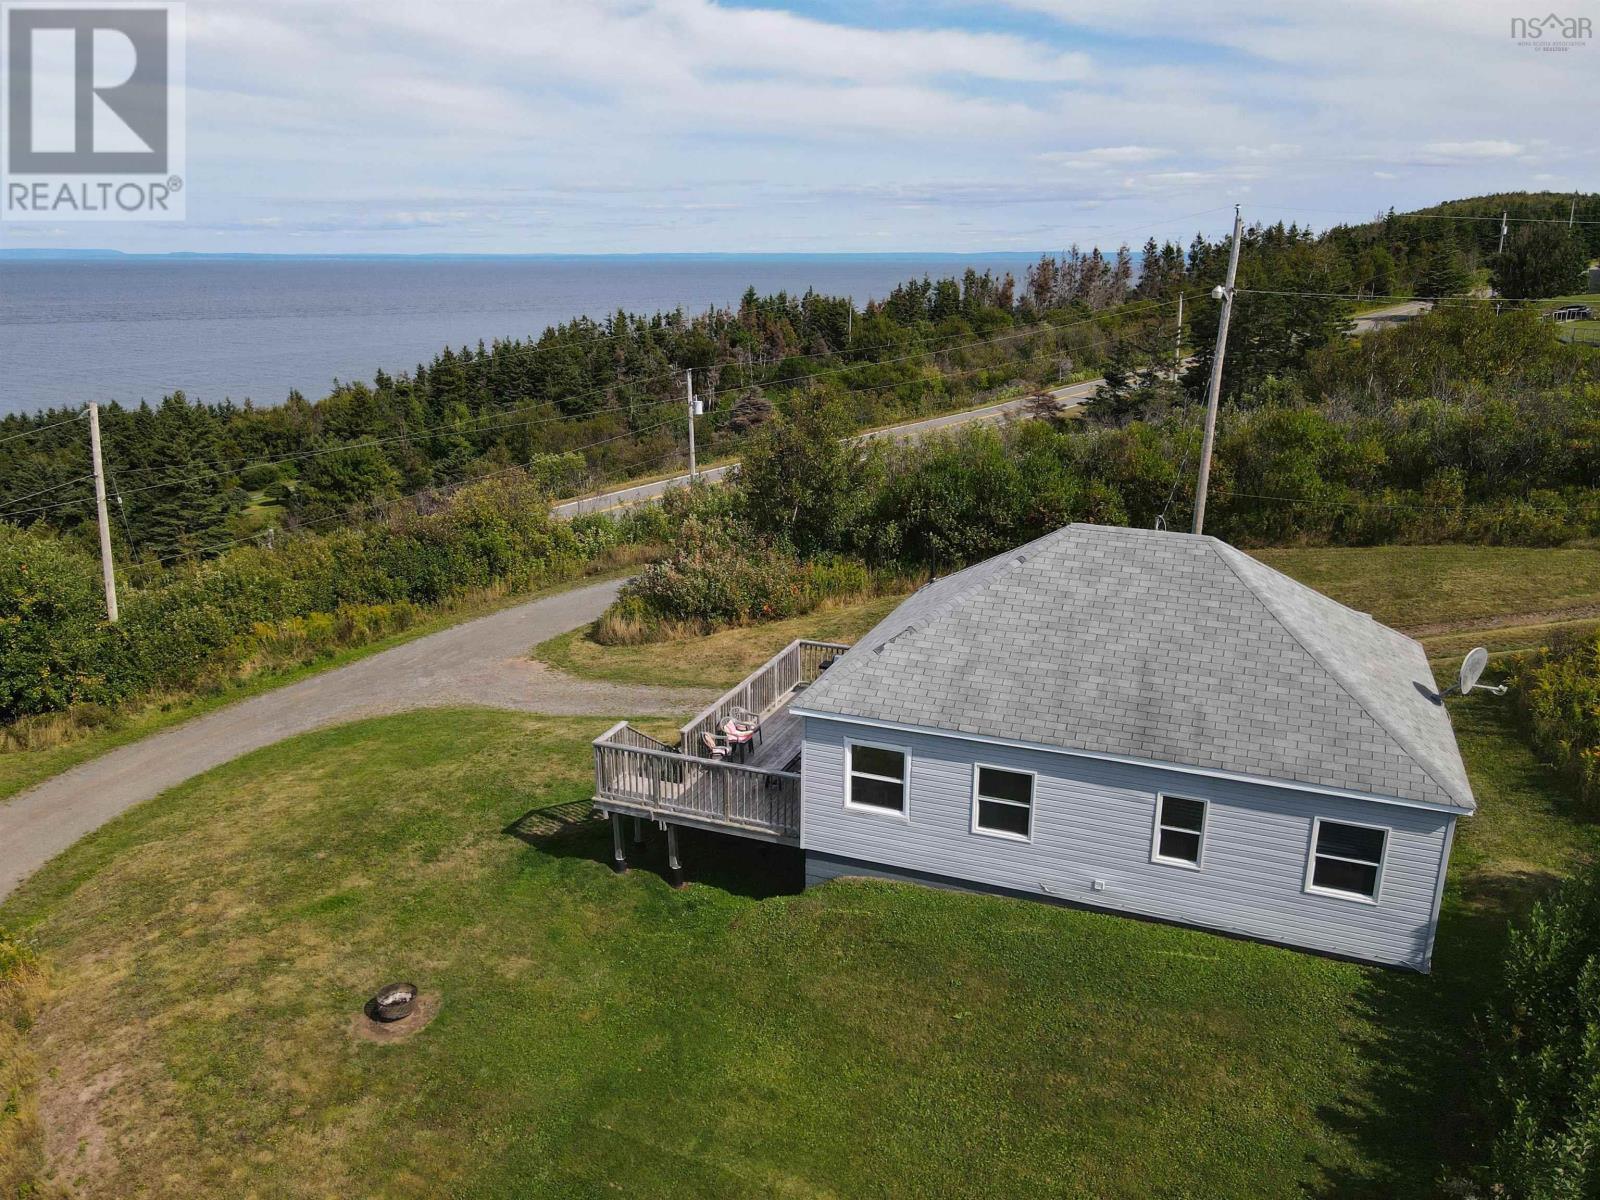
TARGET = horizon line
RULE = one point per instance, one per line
(63, 252)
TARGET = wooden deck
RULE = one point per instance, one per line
(637, 775)
(779, 747)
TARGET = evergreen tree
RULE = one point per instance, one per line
(1444, 274)
(1540, 260)
(185, 500)
(802, 478)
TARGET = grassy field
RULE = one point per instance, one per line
(1451, 597)
(1424, 587)
(603, 1035)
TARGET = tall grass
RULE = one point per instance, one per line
(721, 576)
(1558, 693)
(22, 990)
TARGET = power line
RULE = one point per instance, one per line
(40, 429)
(1029, 331)
(44, 491)
(1430, 299)
(244, 461)
(389, 502)
(1369, 219)
(122, 512)
(1039, 328)
(23, 512)
(380, 507)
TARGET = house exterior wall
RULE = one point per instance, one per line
(1095, 820)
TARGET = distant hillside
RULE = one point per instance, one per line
(1476, 219)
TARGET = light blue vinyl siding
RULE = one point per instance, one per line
(1094, 820)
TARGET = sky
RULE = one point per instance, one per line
(637, 126)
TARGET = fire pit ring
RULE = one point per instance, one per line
(393, 1002)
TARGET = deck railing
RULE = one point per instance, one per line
(798, 662)
(631, 772)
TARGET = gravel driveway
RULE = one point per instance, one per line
(479, 662)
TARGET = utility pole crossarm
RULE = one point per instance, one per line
(1215, 389)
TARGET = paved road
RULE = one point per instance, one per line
(1388, 318)
(480, 662)
(909, 432)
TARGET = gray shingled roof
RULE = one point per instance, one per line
(1164, 647)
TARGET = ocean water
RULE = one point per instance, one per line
(131, 329)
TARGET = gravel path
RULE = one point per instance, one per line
(480, 662)
(1070, 396)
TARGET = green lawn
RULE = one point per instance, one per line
(1420, 587)
(1576, 331)
(604, 1035)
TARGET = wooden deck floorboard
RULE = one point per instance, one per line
(780, 741)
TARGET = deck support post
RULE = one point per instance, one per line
(638, 831)
(619, 858)
(674, 866)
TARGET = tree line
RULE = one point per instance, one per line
(590, 401)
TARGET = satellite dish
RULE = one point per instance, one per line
(1472, 668)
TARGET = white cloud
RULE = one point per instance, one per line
(1102, 157)
(1487, 148)
(694, 125)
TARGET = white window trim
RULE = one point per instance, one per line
(1335, 893)
(904, 813)
(1156, 827)
(1033, 799)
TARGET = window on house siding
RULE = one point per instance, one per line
(1347, 859)
(878, 777)
(1003, 802)
(1180, 830)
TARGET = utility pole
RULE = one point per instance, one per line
(1572, 213)
(107, 571)
(1502, 248)
(1177, 346)
(1225, 294)
(694, 408)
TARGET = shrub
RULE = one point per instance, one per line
(259, 477)
(302, 639)
(200, 624)
(723, 575)
(1558, 693)
(52, 635)
(1544, 1051)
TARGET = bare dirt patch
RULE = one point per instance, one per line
(364, 1028)
(77, 1141)
(1507, 620)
